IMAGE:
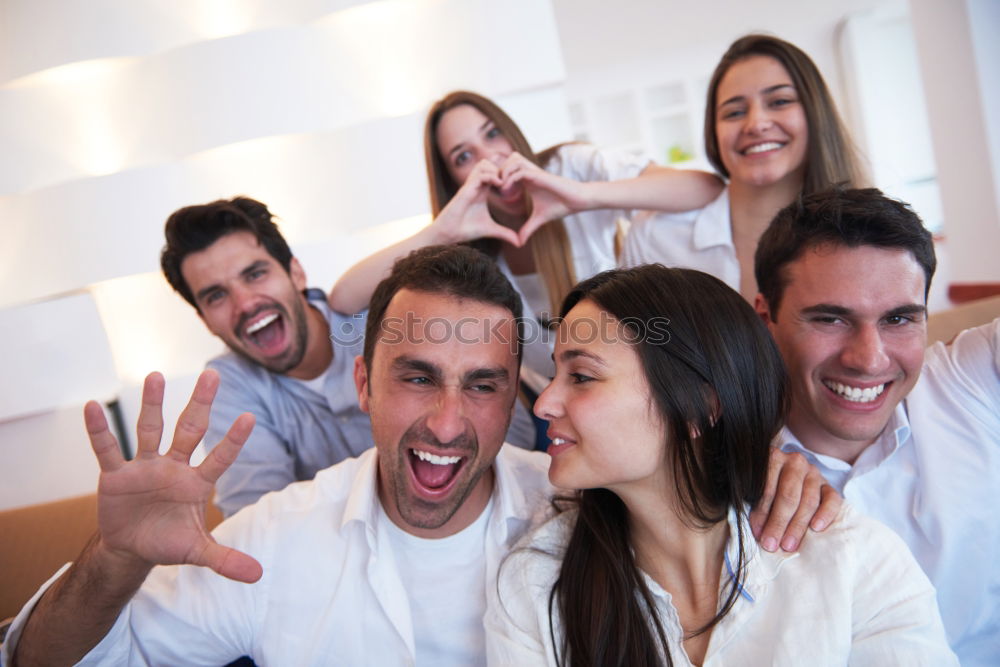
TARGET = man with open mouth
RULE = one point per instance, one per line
(290, 359)
(909, 437)
(384, 559)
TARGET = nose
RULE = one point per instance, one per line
(447, 420)
(548, 405)
(243, 298)
(865, 352)
(758, 119)
(497, 158)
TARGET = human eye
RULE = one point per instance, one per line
(580, 378)
(730, 113)
(213, 297)
(827, 320)
(784, 101)
(256, 273)
(493, 133)
(462, 158)
(483, 388)
(417, 380)
(900, 320)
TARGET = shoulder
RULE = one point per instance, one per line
(533, 565)
(858, 546)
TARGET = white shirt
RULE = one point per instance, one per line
(851, 595)
(331, 591)
(592, 245)
(699, 239)
(934, 477)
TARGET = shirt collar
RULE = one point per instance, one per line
(894, 436)
(511, 504)
(712, 227)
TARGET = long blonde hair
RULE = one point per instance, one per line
(550, 246)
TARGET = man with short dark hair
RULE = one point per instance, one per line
(291, 357)
(909, 437)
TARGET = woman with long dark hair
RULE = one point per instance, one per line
(668, 391)
(772, 131)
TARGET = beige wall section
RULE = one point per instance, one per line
(948, 49)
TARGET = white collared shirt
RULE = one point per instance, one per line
(699, 239)
(331, 591)
(933, 476)
(851, 595)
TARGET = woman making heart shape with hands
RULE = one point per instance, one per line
(549, 218)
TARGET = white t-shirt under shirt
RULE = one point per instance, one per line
(438, 573)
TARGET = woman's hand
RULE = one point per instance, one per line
(551, 196)
(467, 216)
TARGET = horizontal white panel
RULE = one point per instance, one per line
(53, 354)
(322, 186)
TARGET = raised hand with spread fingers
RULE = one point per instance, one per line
(150, 512)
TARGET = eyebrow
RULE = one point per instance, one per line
(462, 143)
(569, 355)
(831, 309)
(766, 91)
(411, 364)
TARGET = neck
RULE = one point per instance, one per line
(752, 207)
(319, 347)
(817, 439)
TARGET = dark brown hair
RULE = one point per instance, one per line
(839, 217)
(830, 157)
(456, 270)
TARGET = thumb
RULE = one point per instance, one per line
(530, 226)
(230, 563)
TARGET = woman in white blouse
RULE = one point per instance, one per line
(668, 390)
(773, 131)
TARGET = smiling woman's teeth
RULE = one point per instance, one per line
(261, 323)
(760, 148)
(558, 441)
(856, 394)
(435, 459)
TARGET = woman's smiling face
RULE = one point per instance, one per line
(760, 124)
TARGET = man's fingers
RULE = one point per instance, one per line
(799, 523)
(758, 517)
(829, 507)
(226, 451)
(149, 427)
(104, 444)
(230, 563)
(193, 422)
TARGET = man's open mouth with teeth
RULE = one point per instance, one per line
(856, 394)
(265, 330)
(432, 471)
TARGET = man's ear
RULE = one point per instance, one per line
(361, 382)
(298, 275)
(760, 305)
